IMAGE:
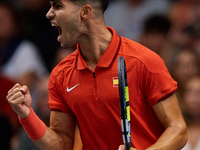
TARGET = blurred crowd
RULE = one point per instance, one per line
(29, 51)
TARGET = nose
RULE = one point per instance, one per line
(50, 14)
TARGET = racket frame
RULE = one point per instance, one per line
(124, 103)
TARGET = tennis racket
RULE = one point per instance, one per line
(124, 103)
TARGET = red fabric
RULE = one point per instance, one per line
(33, 126)
(5, 108)
(94, 98)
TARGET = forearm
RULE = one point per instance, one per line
(174, 138)
(54, 137)
(53, 140)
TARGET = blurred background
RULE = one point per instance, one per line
(29, 51)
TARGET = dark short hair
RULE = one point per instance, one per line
(157, 23)
(104, 3)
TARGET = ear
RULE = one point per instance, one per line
(86, 11)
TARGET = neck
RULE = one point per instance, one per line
(93, 45)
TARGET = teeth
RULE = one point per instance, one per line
(53, 25)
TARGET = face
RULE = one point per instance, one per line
(66, 17)
(154, 41)
(186, 67)
(7, 25)
(192, 97)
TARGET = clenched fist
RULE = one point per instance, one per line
(20, 100)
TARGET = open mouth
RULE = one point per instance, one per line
(59, 30)
(59, 33)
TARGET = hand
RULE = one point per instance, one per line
(20, 100)
(122, 147)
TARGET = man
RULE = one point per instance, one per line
(82, 88)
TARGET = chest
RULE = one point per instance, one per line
(87, 90)
(86, 86)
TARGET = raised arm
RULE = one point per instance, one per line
(60, 134)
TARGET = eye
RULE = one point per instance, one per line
(57, 5)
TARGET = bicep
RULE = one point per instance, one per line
(168, 112)
(63, 123)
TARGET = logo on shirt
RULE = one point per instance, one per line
(70, 89)
(115, 81)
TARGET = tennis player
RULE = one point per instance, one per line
(83, 88)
